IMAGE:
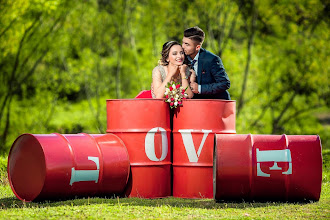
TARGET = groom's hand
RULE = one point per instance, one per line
(194, 87)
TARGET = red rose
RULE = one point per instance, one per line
(167, 96)
(171, 88)
(171, 104)
(179, 102)
(172, 99)
(178, 86)
(183, 90)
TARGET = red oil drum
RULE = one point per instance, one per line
(49, 166)
(267, 167)
(144, 127)
(194, 126)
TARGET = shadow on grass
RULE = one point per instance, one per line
(14, 203)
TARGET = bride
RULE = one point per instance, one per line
(171, 69)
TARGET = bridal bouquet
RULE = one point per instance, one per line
(174, 94)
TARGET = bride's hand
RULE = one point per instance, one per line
(172, 70)
(183, 69)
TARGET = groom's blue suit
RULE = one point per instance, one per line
(212, 77)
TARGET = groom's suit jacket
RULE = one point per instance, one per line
(212, 77)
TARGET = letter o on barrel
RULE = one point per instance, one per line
(144, 127)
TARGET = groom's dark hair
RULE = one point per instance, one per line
(195, 34)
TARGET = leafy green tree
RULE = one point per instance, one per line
(59, 54)
(292, 56)
(27, 31)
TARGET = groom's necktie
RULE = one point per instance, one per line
(193, 64)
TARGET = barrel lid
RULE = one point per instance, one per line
(134, 99)
(209, 100)
(26, 167)
(162, 99)
(137, 114)
(219, 116)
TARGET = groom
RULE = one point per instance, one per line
(212, 79)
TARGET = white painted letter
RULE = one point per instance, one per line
(86, 175)
(150, 144)
(273, 156)
(189, 143)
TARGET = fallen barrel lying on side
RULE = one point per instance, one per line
(267, 167)
(50, 166)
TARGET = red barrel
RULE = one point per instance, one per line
(48, 166)
(267, 167)
(194, 125)
(144, 127)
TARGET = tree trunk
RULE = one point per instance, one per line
(7, 127)
(241, 99)
(133, 45)
(120, 49)
(276, 121)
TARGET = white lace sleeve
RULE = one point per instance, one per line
(157, 79)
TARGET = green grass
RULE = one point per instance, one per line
(132, 208)
(166, 208)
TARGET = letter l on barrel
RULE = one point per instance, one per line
(86, 175)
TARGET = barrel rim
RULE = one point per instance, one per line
(208, 100)
(189, 100)
(135, 131)
(200, 131)
(134, 99)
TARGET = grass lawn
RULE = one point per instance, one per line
(103, 208)
(166, 208)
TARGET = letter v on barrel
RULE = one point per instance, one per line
(188, 142)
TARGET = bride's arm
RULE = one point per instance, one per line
(158, 84)
(185, 81)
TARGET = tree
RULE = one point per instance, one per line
(27, 40)
(292, 54)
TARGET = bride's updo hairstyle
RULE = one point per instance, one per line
(166, 50)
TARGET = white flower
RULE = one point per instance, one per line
(168, 100)
(176, 96)
(175, 103)
(174, 86)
